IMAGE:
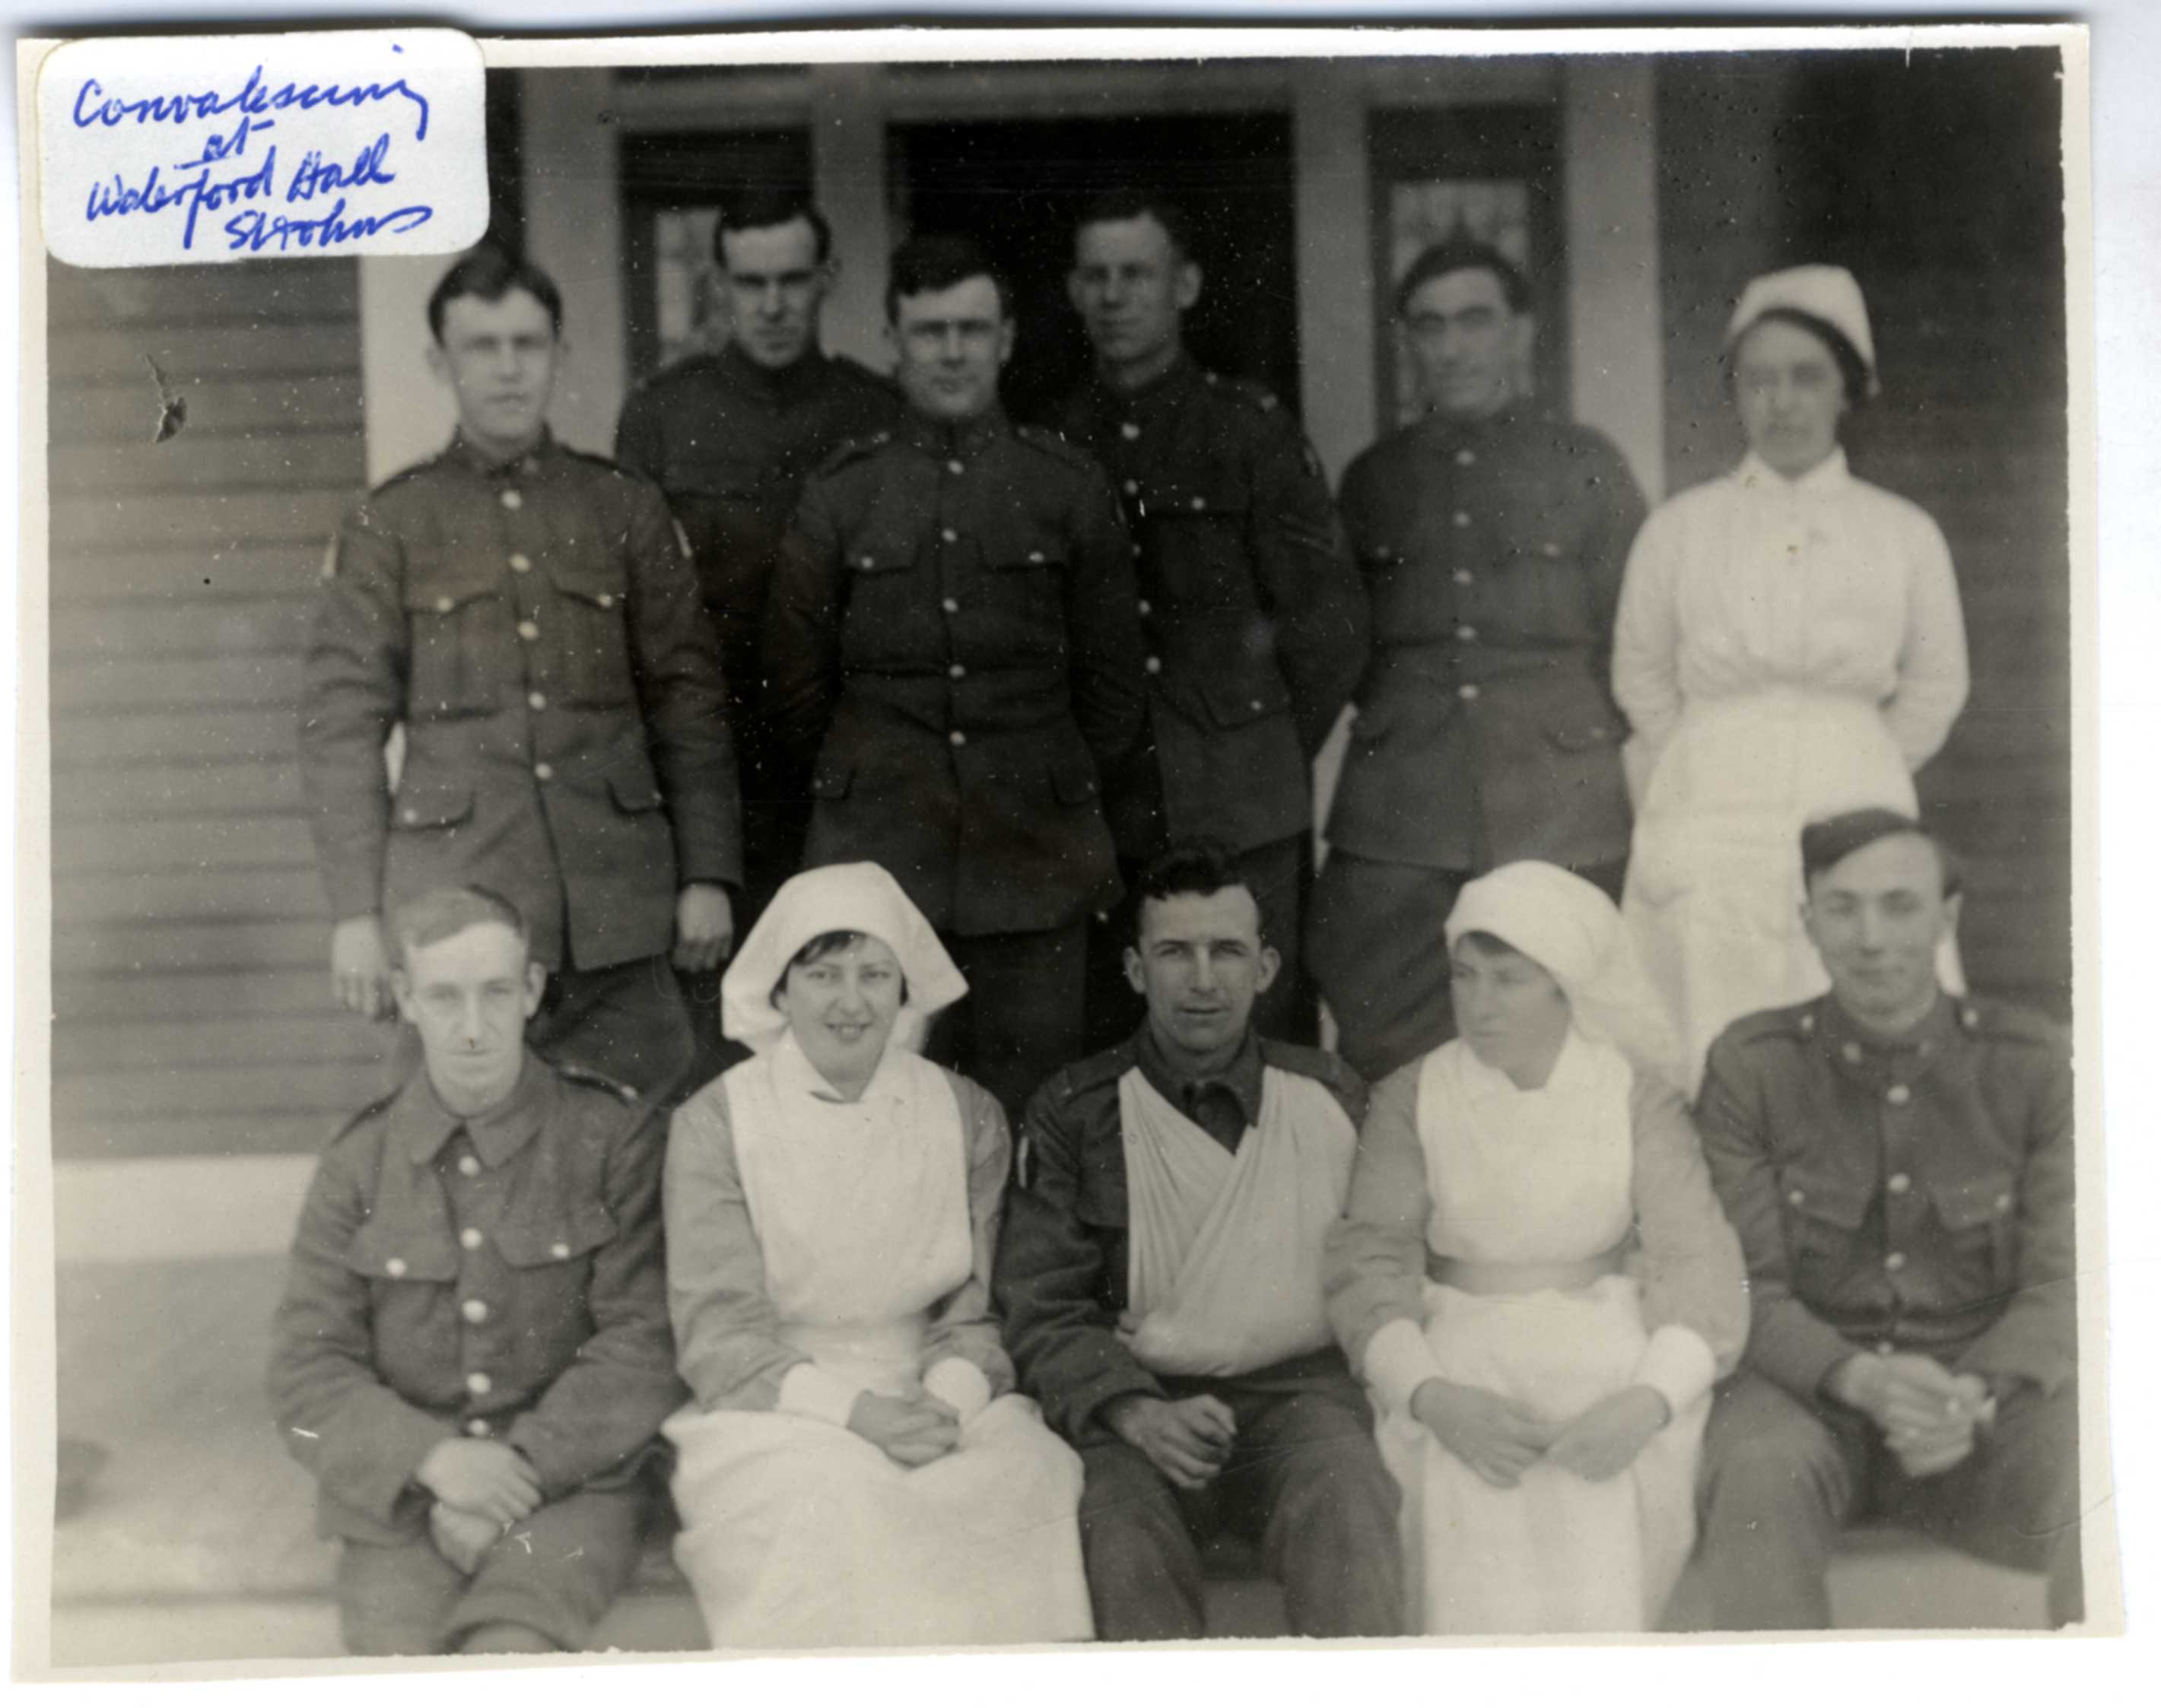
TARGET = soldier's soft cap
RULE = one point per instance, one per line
(1827, 300)
(862, 897)
(1826, 841)
(1571, 928)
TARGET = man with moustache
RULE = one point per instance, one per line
(528, 615)
(1159, 1276)
(1493, 539)
(472, 1354)
(1899, 1165)
(731, 437)
(1255, 619)
(952, 643)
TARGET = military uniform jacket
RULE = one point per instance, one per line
(1255, 620)
(730, 444)
(1493, 553)
(953, 634)
(1063, 1264)
(536, 627)
(1908, 1197)
(500, 1277)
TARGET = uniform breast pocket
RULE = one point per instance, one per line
(1980, 1222)
(592, 619)
(1199, 534)
(460, 634)
(1824, 1217)
(552, 1258)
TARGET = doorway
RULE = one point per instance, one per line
(1016, 185)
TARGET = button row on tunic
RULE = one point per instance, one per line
(519, 562)
(479, 1428)
(473, 1311)
(514, 499)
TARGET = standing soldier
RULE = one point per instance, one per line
(1255, 620)
(1492, 538)
(528, 614)
(953, 635)
(731, 437)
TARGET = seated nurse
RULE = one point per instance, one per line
(1536, 1279)
(855, 1469)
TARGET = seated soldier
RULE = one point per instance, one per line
(1160, 1281)
(1897, 1164)
(472, 1355)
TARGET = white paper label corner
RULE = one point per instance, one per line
(156, 151)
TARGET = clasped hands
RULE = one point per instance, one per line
(1499, 1439)
(911, 1430)
(1927, 1414)
(482, 1488)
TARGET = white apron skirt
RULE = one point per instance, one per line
(802, 1534)
(1556, 1553)
(1714, 889)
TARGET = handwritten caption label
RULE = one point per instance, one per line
(154, 151)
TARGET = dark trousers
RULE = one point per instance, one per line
(1279, 874)
(1781, 1479)
(1021, 1020)
(1376, 946)
(626, 1022)
(554, 1573)
(1304, 1482)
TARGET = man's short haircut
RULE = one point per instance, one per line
(1826, 841)
(1459, 253)
(491, 274)
(1117, 205)
(818, 948)
(435, 914)
(936, 260)
(757, 207)
(1197, 866)
(1852, 371)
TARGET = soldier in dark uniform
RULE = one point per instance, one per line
(1899, 1165)
(472, 1354)
(953, 636)
(1201, 1384)
(1256, 622)
(731, 437)
(1493, 540)
(529, 617)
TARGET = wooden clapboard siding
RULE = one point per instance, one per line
(1868, 160)
(189, 934)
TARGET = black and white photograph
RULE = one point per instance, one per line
(1011, 844)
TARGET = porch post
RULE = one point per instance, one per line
(1330, 167)
(1610, 210)
(574, 230)
(848, 182)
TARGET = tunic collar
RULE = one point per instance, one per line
(944, 439)
(1828, 476)
(779, 384)
(466, 455)
(1166, 389)
(1241, 1080)
(419, 1122)
(1449, 432)
(1847, 1041)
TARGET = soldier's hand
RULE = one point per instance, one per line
(485, 1477)
(1187, 1439)
(705, 927)
(1900, 1392)
(460, 1537)
(1932, 1450)
(360, 966)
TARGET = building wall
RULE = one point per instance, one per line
(190, 941)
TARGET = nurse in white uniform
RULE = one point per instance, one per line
(855, 1469)
(1789, 646)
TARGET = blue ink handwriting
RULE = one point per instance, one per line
(253, 99)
